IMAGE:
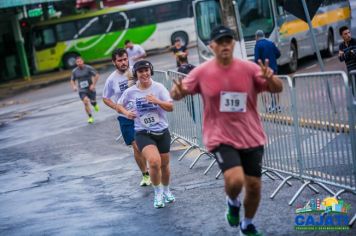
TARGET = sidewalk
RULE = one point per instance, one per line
(14, 87)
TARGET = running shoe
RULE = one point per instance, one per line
(146, 181)
(96, 107)
(232, 215)
(249, 231)
(158, 201)
(91, 120)
(169, 197)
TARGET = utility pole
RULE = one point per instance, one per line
(231, 18)
(228, 12)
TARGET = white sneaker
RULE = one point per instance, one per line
(158, 200)
(169, 197)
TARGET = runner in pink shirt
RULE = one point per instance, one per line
(232, 129)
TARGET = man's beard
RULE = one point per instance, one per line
(121, 70)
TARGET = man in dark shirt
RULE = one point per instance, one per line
(266, 49)
(184, 67)
(178, 49)
(86, 77)
(347, 53)
(347, 49)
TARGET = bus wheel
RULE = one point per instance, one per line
(329, 51)
(292, 66)
(69, 60)
(182, 36)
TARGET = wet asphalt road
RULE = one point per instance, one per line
(80, 181)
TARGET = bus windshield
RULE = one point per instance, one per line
(255, 15)
(208, 17)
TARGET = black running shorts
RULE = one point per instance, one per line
(250, 159)
(162, 140)
(88, 93)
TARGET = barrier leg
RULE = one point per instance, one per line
(218, 174)
(173, 140)
(280, 186)
(323, 186)
(265, 172)
(281, 178)
(313, 188)
(337, 195)
(186, 152)
(296, 195)
(209, 167)
(118, 138)
(197, 159)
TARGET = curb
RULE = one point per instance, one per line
(10, 89)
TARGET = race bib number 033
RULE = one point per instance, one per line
(149, 119)
(233, 102)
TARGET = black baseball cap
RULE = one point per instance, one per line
(221, 31)
(142, 64)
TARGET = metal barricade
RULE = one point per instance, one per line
(187, 120)
(310, 125)
(322, 134)
(277, 117)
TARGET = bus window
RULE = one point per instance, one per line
(113, 22)
(141, 17)
(255, 15)
(89, 27)
(168, 11)
(44, 38)
(207, 17)
(66, 31)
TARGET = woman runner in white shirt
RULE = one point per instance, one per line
(147, 103)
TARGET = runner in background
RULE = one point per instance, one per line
(134, 51)
(147, 103)
(117, 82)
(86, 77)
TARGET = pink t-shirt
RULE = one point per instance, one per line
(238, 129)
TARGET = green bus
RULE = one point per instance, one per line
(153, 24)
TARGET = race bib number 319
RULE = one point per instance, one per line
(233, 102)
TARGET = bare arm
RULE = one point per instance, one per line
(167, 106)
(178, 91)
(341, 55)
(73, 85)
(109, 103)
(274, 84)
(95, 79)
(129, 114)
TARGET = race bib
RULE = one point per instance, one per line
(83, 84)
(149, 119)
(233, 102)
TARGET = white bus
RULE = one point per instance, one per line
(290, 34)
